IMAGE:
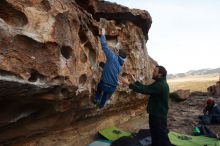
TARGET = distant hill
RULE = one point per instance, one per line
(194, 72)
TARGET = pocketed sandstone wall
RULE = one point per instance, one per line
(51, 56)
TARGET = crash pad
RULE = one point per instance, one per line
(178, 139)
(113, 133)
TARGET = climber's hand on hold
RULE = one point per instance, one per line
(102, 31)
(132, 78)
(124, 81)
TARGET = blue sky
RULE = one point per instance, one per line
(184, 34)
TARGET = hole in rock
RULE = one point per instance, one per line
(124, 74)
(92, 53)
(35, 75)
(28, 45)
(112, 38)
(82, 79)
(92, 56)
(88, 45)
(83, 57)
(46, 5)
(66, 52)
(102, 64)
(82, 35)
(12, 16)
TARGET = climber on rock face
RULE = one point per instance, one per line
(111, 71)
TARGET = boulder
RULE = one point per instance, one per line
(214, 90)
(51, 61)
(180, 95)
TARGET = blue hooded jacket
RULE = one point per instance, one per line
(113, 65)
(215, 111)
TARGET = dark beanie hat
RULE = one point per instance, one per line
(162, 71)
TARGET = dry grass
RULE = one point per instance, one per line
(194, 83)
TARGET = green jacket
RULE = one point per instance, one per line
(159, 94)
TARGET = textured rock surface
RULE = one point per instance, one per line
(180, 95)
(183, 116)
(214, 90)
(50, 61)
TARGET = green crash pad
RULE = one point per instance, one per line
(187, 140)
(113, 133)
(100, 143)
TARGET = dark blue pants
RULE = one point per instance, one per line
(103, 93)
(208, 119)
(159, 131)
